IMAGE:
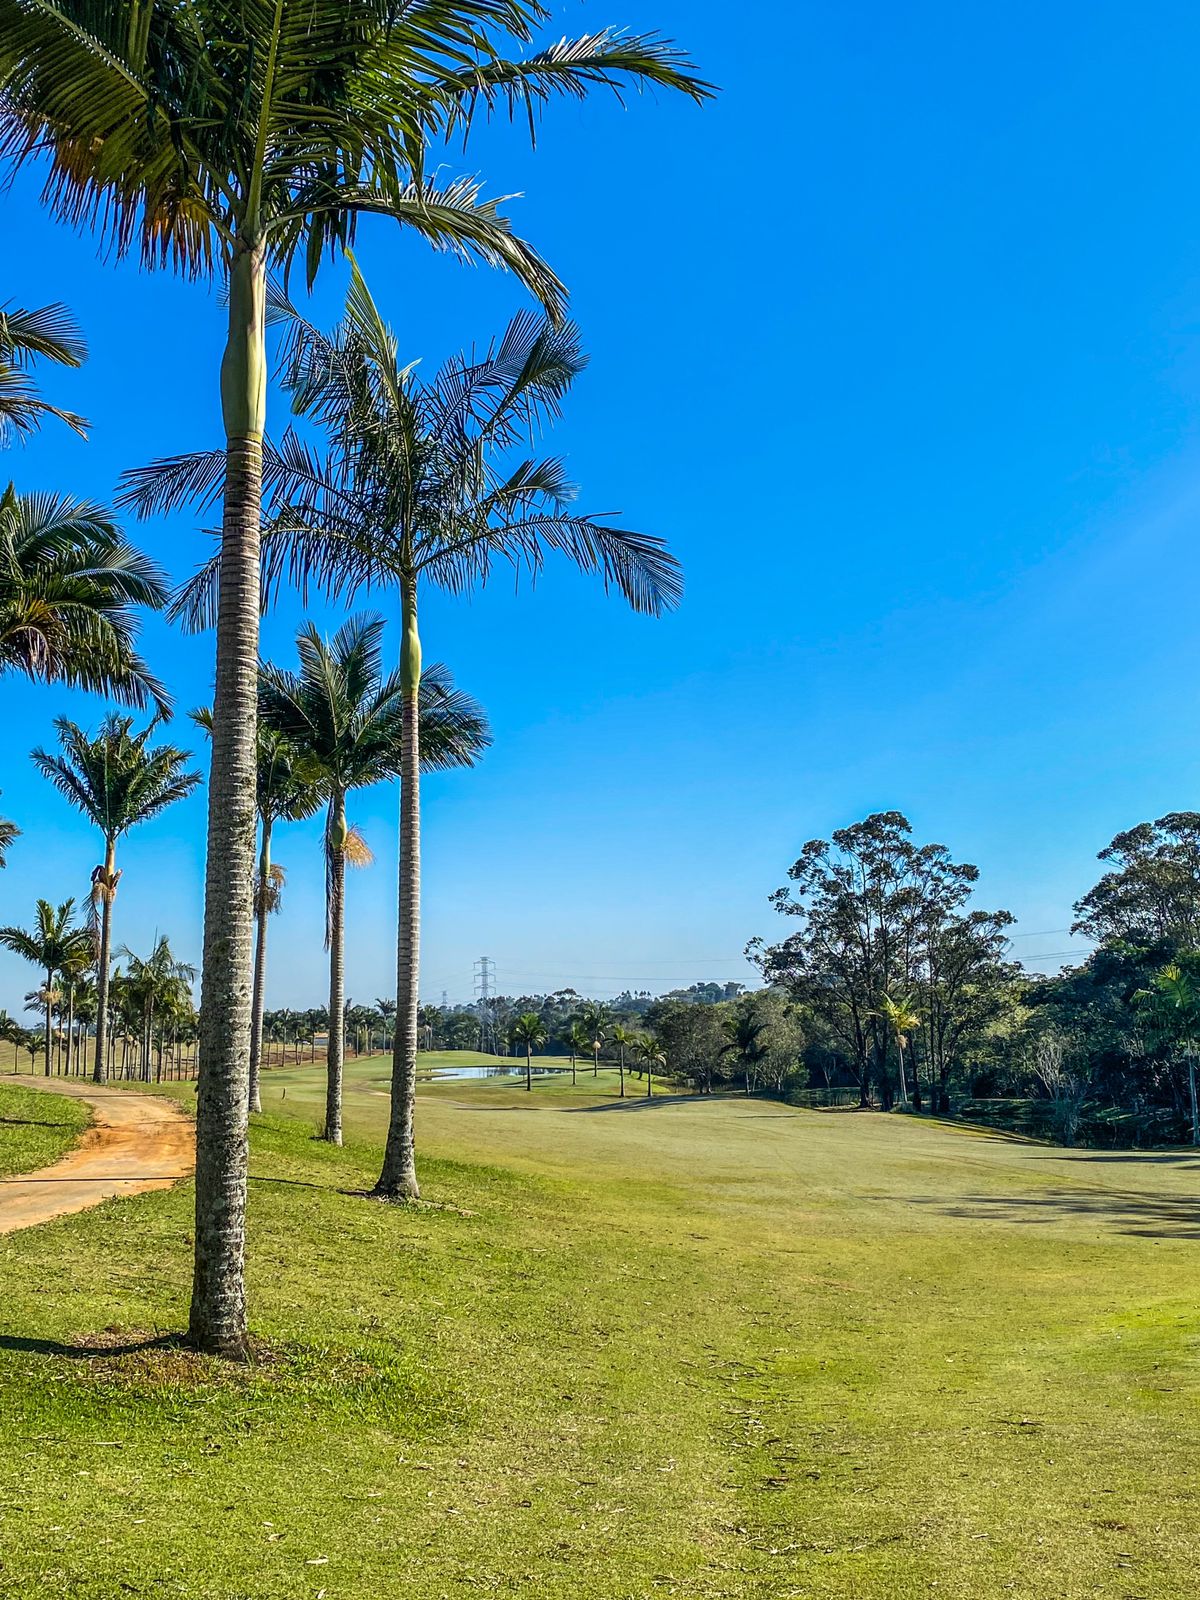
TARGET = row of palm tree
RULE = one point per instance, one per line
(226, 141)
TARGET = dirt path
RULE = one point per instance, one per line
(136, 1142)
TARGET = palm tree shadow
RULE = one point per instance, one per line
(637, 1103)
(1127, 1211)
(86, 1349)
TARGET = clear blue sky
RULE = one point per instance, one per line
(898, 346)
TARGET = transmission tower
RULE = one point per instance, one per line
(485, 988)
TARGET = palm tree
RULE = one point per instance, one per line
(530, 1031)
(581, 1044)
(623, 1038)
(75, 987)
(235, 139)
(594, 1020)
(350, 724)
(1172, 1008)
(387, 1011)
(55, 945)
(423, 484)
(70, 588)
(156, 984)
(9, 834)
(118, 780)
(651, 1054)
(745, 1031)
(48, 334)
(284, 792)
(901, 1019)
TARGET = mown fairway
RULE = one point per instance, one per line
(694, 1348)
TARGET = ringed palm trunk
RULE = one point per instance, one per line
(262, 911)
(217, 1322)
(529, 1067)
(49, 1013)
(903, 1075)
(335, 844)
(622, 1069)
(398, 1180)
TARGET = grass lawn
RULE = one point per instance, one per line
(701, 1348)
(36, 1128)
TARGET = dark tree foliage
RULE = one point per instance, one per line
(880, 916)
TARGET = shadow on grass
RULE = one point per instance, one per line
(30, 1122)
(639, 1103)
(1137, 1215)
(89, 1349)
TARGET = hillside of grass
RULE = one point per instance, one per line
(36, 1128)
(703, 1348)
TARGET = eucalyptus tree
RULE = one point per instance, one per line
(423, 484)
(350, 724)
(225, 139)
(56, 945)
(70, 591)
(529, 1031)
(284, 792)
(118, 780)
(47, 333)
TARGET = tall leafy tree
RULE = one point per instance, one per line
(424, 484)
(350, 722)
(47, 333)
(56, 945)
(70, 591)
(118, 780)
(222, 138)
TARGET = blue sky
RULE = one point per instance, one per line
(897, 345)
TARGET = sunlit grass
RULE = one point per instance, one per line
(708, 1348)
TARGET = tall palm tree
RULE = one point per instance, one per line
(623, 1038)
(529, 1031)
(594, 1020)
(350, 723)
(284, 792)
(231, 139)
(422, 484)
(156, 983)
(118, 780)
(55, 945)
(745, 1030)
(70, 589)
(901, 1019)
(652, 1055)
(9, 834)
(49, 333)
(581, 1044)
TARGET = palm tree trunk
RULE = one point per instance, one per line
(49, 1008)
(335, 844)
(69, 1058)
(398, 1179)
(260, 965)
(529, 1067)
(903, 1076)
(622, 1072)
(217, 1321)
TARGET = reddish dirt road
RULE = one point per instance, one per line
(136, 1142)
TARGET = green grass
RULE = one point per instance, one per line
(701, 1348)
(36, 1128)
